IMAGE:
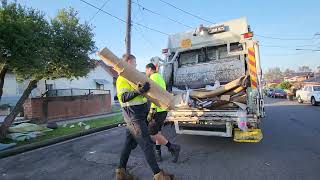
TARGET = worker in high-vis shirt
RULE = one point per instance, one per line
(156, 119)
(135, 110)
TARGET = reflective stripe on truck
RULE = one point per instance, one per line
(252, 68)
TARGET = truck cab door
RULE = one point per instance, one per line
(303, 94)
(309, 93)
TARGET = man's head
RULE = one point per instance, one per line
(130, 59)
(150, 69)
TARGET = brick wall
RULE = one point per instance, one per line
(66, 107)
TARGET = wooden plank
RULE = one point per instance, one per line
(156, 94)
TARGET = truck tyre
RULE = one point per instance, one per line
(313, 101)
(300, 100)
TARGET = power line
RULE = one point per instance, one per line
(99, 10)
(288, 39)
(146, 27)
(277, 46)
(293, 54)
(150, 28)
(139, 6)
(104, 11)
(186, 12)
(158, 14)
(314, 50)
(142, 36)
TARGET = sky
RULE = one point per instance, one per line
(280, 26)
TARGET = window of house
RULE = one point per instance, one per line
(99, 86)
(49, 87)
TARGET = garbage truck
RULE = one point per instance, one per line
(219, 68)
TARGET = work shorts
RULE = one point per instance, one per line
(157, 121)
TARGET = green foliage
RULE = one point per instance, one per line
(285, 85)
(72, 42)
(33, 48)
(24, 38)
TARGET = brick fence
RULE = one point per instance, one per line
(66, 107)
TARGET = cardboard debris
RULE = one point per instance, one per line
(26, 131)
(225, 98)
(219, 91)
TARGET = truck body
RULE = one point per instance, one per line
(207, 57)
(310, 93)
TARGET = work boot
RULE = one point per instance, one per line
(174, 150)
(164, 176)
(158, 155)
(122, 174)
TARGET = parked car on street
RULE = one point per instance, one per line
(278, 93)
(309, 94)
(270, 92)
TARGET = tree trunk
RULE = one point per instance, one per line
(10, 118)
(3, 72)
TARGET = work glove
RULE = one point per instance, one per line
(143, 88)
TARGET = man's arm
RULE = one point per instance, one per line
(127, 96)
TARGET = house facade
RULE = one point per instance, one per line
(102, 77)
(298, 77)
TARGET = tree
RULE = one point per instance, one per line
(64, 50)
(304, 69)
(24, 34)
(273, 75)
(285, 85)
(288, 72)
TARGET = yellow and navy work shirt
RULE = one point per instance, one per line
(158, 79)
(124, 86)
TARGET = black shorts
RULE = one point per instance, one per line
(157, 122)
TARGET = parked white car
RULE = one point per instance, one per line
(309, 94)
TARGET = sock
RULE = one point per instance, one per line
(158, 147)
(168, 144)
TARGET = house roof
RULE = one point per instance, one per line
(291, 75)
(313, 79)
(107, 68)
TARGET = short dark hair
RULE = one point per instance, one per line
(152, 66)
(126, 57)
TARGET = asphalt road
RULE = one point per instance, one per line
(290, 150)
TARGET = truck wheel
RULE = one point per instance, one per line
(300, 100)
(313, 101)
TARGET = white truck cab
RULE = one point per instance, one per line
(310, 93)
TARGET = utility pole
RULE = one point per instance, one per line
(128, 28)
